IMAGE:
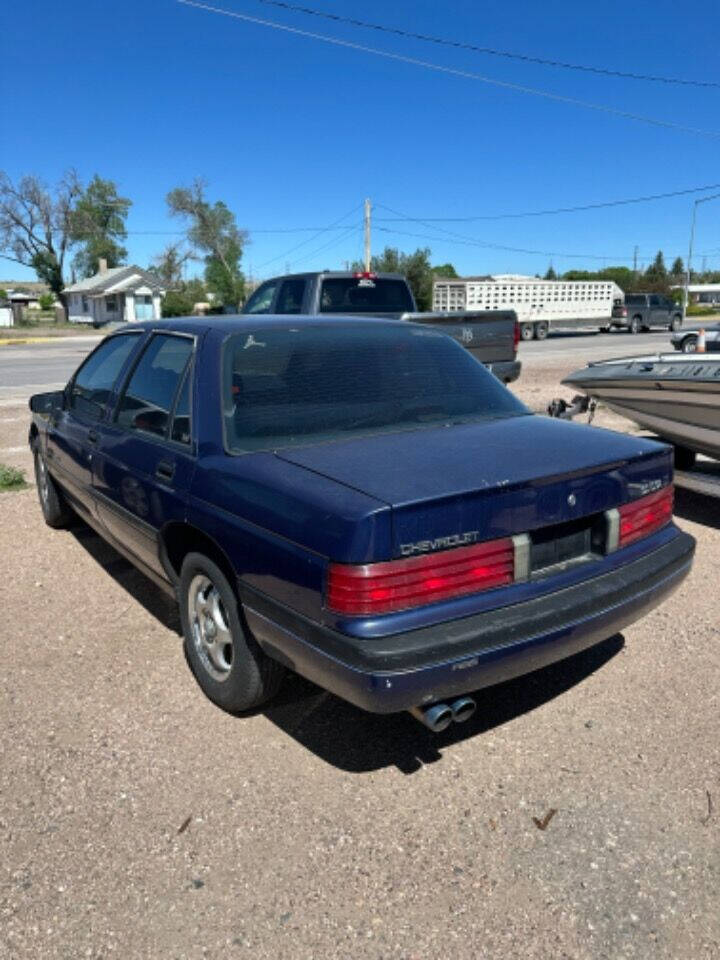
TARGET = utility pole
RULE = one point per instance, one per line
(635, 256)
(714, 196)
(367, 235)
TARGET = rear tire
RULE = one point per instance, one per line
(689, 345)
(634, 325)
(54, 506)
(684, 458)
(227, 661)
(527, 331)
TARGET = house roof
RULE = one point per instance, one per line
(116, 279)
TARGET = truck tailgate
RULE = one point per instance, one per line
(487, 334)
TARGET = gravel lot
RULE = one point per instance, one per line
(139, 821)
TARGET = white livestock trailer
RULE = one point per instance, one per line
(539, 304)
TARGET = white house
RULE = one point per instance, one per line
(702, 293)
(122, 294)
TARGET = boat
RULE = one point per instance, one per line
(675, 396)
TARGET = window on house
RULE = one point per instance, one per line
(85, 305)
(111, 303)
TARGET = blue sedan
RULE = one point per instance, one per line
(356, 500)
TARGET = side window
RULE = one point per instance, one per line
(181, 431)
(148, 398)
(95, 379)
(291, 296)
(654, 300)
(261, 300)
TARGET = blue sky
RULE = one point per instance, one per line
(293, 132)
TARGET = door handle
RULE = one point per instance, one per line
(165, 470)
(92, 436)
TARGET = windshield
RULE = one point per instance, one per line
(364, 295)
(284, 386)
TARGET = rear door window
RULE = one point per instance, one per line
(150, 393)
(94, 381)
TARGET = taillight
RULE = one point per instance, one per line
(516, 336)
(624, 311)
(376, 588)
(644, 516)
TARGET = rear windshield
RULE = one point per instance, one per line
(364, 295)
(289, 386)
(637, 300)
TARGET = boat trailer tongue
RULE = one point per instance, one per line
(563, 410)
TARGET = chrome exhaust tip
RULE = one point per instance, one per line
(463, 709)
(437, 717)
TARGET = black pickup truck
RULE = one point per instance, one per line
(641, 311)
(492, 336)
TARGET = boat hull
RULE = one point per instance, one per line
(678, 398)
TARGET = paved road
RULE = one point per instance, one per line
(34, 367)
(41, 366)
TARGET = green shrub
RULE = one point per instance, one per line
(11, 478)
(47, 301)
(700, 310)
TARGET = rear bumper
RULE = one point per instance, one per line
(395, 673)
(505, 370)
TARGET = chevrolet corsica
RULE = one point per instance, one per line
(357, 500)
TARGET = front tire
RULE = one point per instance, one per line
(228, 664)
(56, 512)
(689, 345)
(675, 324)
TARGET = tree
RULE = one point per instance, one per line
(181, 301)
(656, 277)
(168, 265)
(678, 268)
(550, 274)
(445, 270)
(36, 224)
(97, 226)
(213, 232)
(415, 267)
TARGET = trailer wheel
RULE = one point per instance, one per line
(541, 330)
(527, 331)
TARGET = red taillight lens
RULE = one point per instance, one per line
(516, 336)
(375, 588)
(643, 517)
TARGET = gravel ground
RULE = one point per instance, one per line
(139, 821)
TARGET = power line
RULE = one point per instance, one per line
(491, 51)
(452, 71)
(556, 210)
(303, 243)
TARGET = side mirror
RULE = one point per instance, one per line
(47, 403)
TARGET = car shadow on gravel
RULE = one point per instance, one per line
(157, 603)
(697, 507)
(360, 742)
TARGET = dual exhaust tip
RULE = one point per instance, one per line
(438, 716)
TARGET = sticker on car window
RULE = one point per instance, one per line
(252, 342)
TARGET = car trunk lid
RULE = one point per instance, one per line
(451, 486)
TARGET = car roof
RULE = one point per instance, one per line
(228, 323)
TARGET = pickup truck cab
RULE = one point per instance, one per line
(401, 545)
(492, 336)
(641, 311)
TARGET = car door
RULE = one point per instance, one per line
(73, 432)
(657, 314)
(146, 451)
